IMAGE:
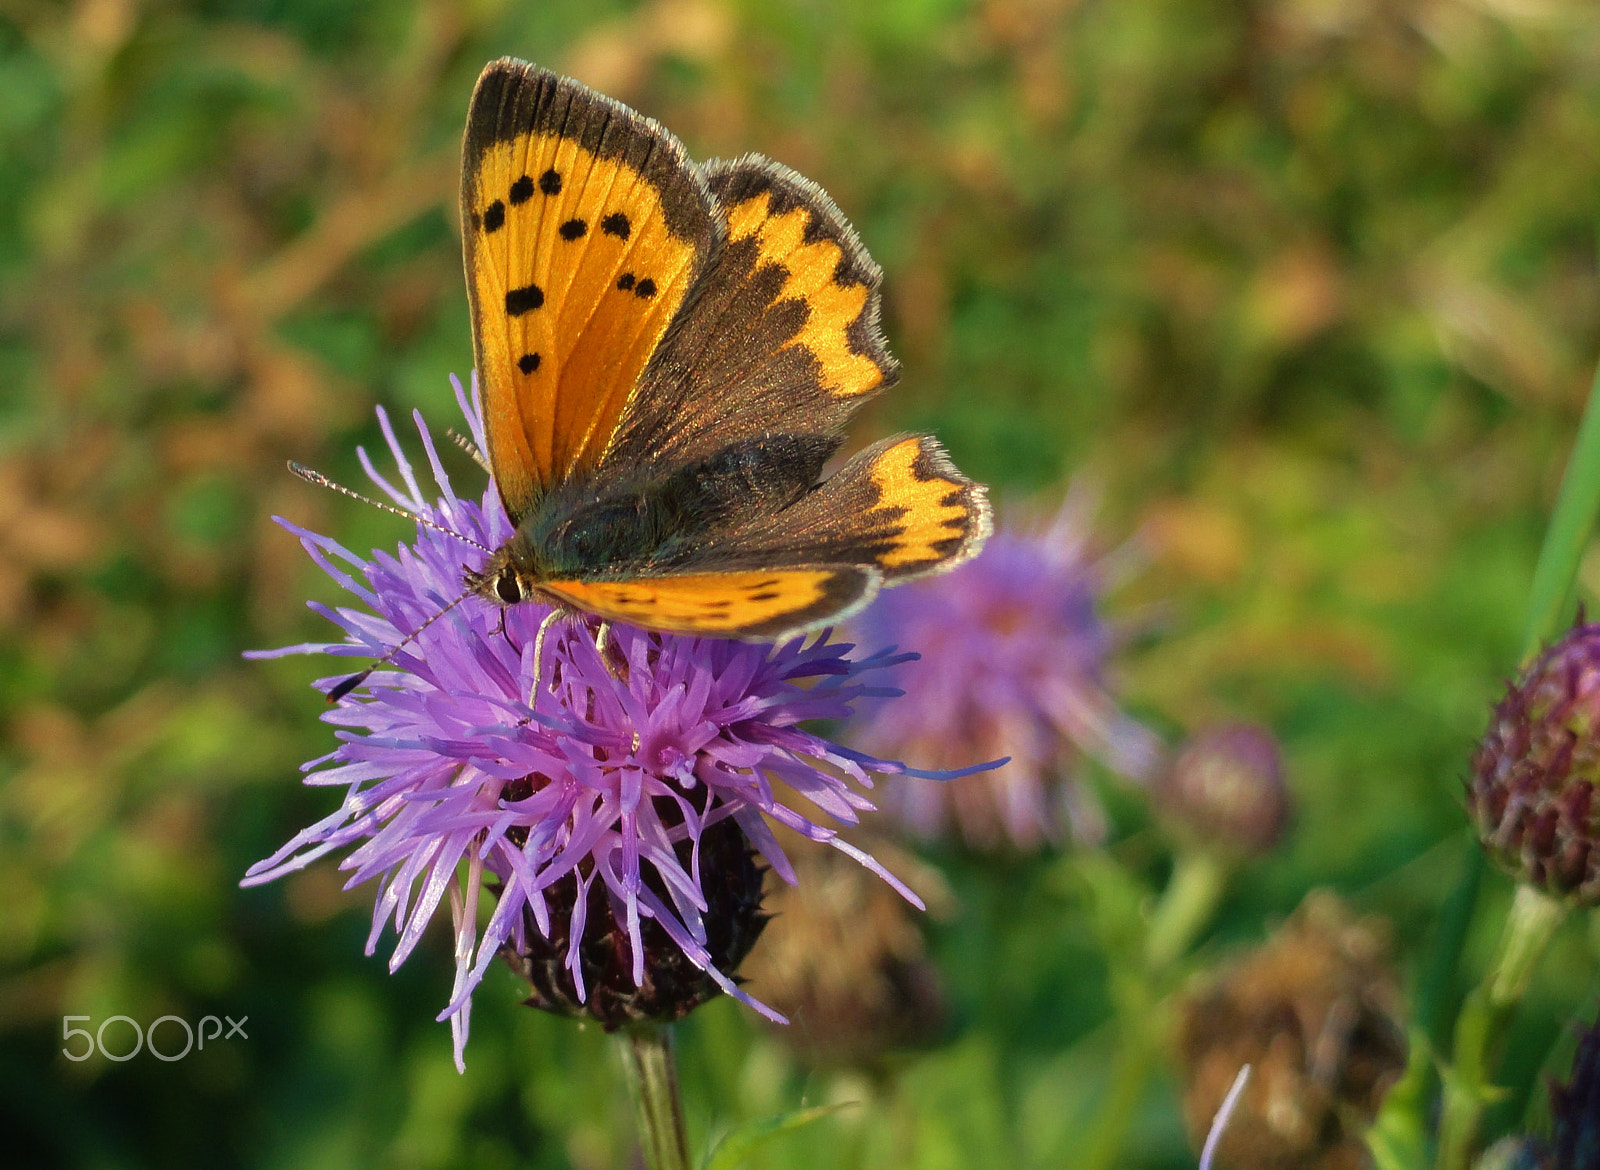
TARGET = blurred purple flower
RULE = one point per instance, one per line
(444, 764)
(1225, 790)
(1574, 1140)
(1013, 653)
(1575, 1109)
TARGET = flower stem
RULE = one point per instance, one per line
(1402, 1131)
(1467, 1089)
(1185, 907)
(1190, 899)
(653, 1085)
(1131, 1067)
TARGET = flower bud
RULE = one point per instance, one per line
(1532, 790)
(1225, 788)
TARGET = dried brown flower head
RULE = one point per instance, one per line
(845, 964)
(1315, 1011)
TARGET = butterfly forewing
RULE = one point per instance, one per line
(585, 227)
(782, 336)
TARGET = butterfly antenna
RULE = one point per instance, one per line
(355, 680)
(321, 480)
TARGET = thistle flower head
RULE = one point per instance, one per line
(1532, 790)
(846, 959)
(1315, 1013)
(612, 821)
(1015, 666)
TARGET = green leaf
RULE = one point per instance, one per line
(1568, 535)
(740, 1142)
(1398, 1138)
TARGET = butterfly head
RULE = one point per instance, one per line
(509, 576)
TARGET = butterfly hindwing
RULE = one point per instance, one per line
(585, 228)
(750, 604)
(899, 507)
(781, 336)
(898, 510)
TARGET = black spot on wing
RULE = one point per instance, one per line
(521, 191)
(524, 300)
(549, 183)
(528, 363)
(645, 288)
(494, 216)
(625, 281)
(513, 98)
(574, 229)
(616, 224)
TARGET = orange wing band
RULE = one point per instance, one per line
(757, 604)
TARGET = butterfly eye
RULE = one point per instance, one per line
(507, 587)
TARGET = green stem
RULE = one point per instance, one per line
(1467, 1089)
(1191, 897)
(653, 1085)
(1130, 1071)
(1186, 905)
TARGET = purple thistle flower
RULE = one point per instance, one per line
(1534, 793)
(1013, 664)
(609, 779)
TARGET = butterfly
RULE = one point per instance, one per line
(668, 353)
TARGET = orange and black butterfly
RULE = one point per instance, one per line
(668, 354)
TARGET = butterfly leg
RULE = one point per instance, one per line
(550, 619)
(602, 645)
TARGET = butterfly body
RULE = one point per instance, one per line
(668, 353)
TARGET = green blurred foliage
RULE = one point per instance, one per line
(1309, 286)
